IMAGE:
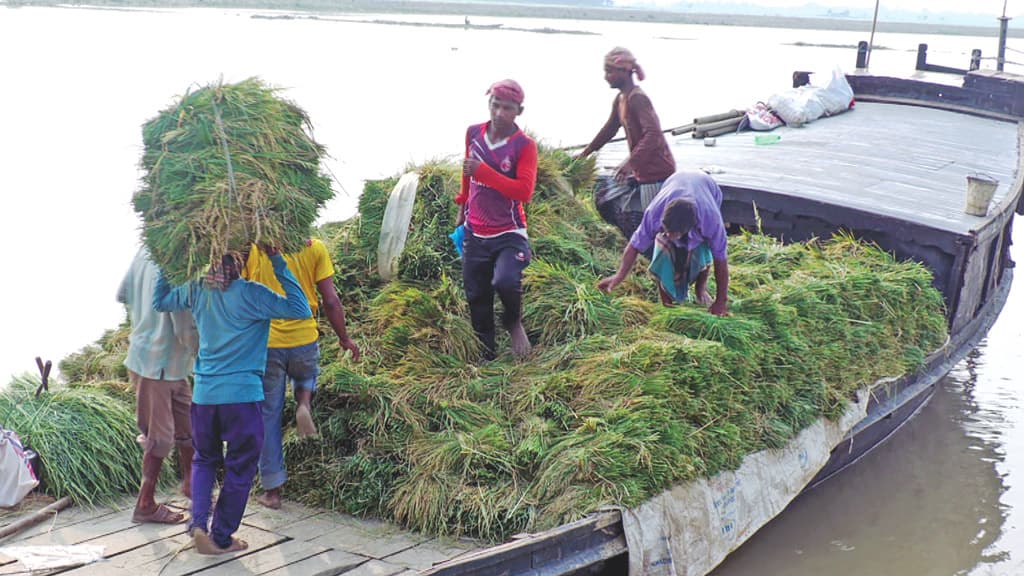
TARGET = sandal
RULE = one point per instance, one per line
(161, 515)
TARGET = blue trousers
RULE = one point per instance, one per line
(301, 365)
(241, 427)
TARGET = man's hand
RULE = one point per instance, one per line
(470, 166)
(719, 308)
(270, 250)
(347, 344)
(608, 284)
(623, 172)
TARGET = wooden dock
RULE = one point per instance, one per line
(292, 541)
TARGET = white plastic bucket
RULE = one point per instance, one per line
(980, 189)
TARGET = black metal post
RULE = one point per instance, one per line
(975, 60)
(1001, 55)
(862, 54)
(922, 56)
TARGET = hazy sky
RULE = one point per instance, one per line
(1014, 8)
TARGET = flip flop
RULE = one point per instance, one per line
(162, 515)
(205, 545)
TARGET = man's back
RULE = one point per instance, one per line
(162, 345)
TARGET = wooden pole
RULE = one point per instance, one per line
(871, 40)
(35, 518)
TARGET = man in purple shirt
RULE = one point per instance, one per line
(684, 217)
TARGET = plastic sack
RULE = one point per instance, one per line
(17, 478)
(798, 106)
(761, 118)
(837, 94)
(394, 228)
(458, 237)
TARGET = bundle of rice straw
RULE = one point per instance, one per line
(227, 165)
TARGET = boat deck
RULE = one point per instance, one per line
(292, 541)
(899, 161)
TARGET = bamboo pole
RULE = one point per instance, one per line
(683, 129)
(717, 131)
(718, 117)
(35, 518)
(717, 125)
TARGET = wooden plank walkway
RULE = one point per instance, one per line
(907, 162)
(292, 541)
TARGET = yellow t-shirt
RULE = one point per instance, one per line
(309, 265)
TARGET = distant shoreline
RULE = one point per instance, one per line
(538, 11)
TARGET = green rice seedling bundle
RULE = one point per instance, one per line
(101, 361)
(224, 166)
(84, 436)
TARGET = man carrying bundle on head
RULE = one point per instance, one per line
(294, 354)
(233, 318)
(498, 176)
(622, 198)
(682, 232)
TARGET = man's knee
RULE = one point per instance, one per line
(159, 446)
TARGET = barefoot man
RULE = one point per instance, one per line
(498, 177)
(682, 232)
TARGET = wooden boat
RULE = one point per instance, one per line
(892, 171)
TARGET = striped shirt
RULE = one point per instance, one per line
(162, 345)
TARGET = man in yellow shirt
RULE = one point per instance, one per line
(293, 353)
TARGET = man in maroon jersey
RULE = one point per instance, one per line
(622, 198)
(498, 176)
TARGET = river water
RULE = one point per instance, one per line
(76, 84)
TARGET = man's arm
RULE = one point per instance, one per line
(293, 305)
(628, 259)
(519, 188)
(720, 306)
(607, 132)
(166, 299)
(335, 313)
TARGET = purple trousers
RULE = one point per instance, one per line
(241, 427)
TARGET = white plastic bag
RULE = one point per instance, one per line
(837, 94)
(798, 106)
(761, 118)
(16, 476)
(394, 228)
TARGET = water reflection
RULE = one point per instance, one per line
(926, 502)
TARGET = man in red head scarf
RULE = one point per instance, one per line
(498, 176)
(622, 198)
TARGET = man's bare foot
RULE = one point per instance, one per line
(304, 422)
(271, 499)
(205, 545)
(520, 343)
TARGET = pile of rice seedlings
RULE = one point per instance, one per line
(85, 438)
(621, 398)
(227, 165)
(102, 361)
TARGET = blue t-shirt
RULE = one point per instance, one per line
(234, 325)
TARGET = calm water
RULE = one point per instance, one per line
(938, 499)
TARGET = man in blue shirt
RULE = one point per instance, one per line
(233, 318)
(684, 222)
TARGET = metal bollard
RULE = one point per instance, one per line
(975, 60)
(922, 56)
(862, 54)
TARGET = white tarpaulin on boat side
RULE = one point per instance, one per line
(688, 530)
